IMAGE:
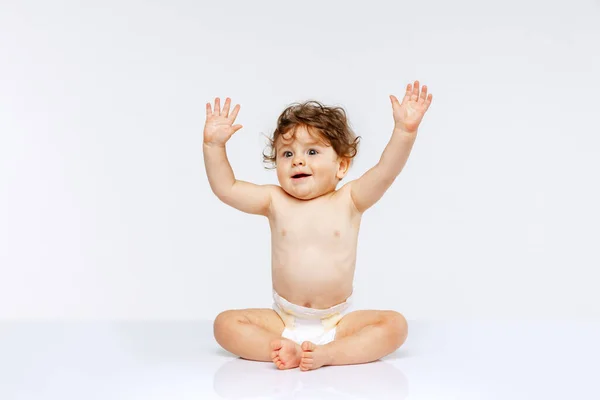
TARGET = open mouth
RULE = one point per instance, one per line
(300, 176)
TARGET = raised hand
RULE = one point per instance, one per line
(408, 115)
(219, 123)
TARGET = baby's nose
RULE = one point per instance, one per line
(298, 161)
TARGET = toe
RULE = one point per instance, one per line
(306, 366)
(308, 346)
(276, 344)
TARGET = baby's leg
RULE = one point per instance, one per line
(255, 334)
(361, 336)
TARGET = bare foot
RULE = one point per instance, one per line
(313, 356)
(286, 354)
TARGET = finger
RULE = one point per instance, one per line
(423, 95)
(208, 110)
(234, 113)
(415, 91)
(408, 93)
(225, 112)
(217, 106)
(236, 128)
(428, 101)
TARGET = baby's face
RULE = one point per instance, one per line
(306, 167)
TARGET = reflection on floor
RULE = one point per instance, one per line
(181, 360)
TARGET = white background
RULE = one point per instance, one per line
(106, 211)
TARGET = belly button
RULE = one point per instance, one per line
(336, 233)
(283, 232)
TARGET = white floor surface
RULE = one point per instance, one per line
(180, 360)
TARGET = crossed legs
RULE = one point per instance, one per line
(362, 336)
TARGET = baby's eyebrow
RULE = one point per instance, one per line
(286, 146)
(313, 143)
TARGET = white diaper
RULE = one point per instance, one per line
(309, 324)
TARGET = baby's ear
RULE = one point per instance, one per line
(344, 165)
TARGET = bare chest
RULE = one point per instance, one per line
(311, 228)
(313, 224)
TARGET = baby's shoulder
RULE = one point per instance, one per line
(344, 191)
(276, 190)
(345, 196)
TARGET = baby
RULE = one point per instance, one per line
(314, 232)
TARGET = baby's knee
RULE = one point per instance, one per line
(399, 327)
(224, 321)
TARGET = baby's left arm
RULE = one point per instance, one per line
(370, 187)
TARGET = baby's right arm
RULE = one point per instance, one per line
(245, 196)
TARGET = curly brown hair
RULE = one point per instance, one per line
(330, 124)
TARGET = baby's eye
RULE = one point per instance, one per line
(312, 152)
(287, 154)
